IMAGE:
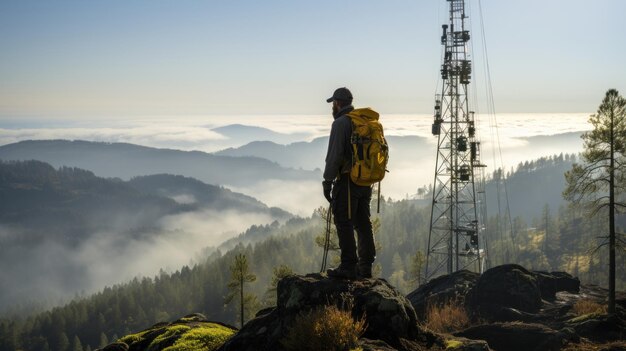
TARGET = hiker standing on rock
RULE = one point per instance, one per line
(350, 202)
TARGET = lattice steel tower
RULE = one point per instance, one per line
(454, 235)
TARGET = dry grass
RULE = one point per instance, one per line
(585, 346)
(587, 306)
(447, 318)
(328, 329)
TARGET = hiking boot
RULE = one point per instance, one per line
(364, 271)
(342, 272)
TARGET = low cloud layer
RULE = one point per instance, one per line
(195, 132)
(297, 197)
(49, 272)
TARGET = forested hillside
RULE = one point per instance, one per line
(74, 226)
(530, 186)
(554, 240)
(118, 310)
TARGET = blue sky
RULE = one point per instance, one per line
(152, 57)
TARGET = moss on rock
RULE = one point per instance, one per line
(207, 337)
(453, 344)
(186, 334)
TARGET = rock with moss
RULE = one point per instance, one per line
(463, 344)
(551, 283)
(374, 345)
(599, 327)
(441, 290)
(517, 336)
(502, 291)
(389, 316)
(190, 333)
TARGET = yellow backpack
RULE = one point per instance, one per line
(370, 151)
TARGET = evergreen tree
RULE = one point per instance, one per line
(104, 340)
(416, 268)
(76, 344)
(278, 273)
(63, 344)
(603, 170)
(239, 275)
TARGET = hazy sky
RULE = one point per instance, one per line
(77, 58)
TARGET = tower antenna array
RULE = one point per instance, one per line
(454, 239)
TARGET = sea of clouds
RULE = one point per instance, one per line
(505, 142)
(103, 261)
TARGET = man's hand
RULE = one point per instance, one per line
(327, 185)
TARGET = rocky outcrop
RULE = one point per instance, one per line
(518, 336)
(390, 318)
(599, 327)
(452, 287)
(551, 283)
(541, 303)
(503, 293)
(192, 332)
(502, 288)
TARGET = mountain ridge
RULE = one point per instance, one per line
(124, 160)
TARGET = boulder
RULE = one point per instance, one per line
(451, 287)
(515, 336)
(464, 344)
(374, 345)
(390, 318)
(503, 287)
(599, 327)
(190, 331)
(551, 283)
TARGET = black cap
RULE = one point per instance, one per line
(341, 94)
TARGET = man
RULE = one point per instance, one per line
(346, 196)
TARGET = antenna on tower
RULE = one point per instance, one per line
(456, 223)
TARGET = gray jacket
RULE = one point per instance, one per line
(339, 154)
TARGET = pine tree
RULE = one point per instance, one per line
(239, 275)
(63, 344)
(278, 273)
(76, 344)
(416, 268)
(602, 174)
(104, 341)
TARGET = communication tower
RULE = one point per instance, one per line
(454, 239)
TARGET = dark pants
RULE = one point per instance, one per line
(360, 197)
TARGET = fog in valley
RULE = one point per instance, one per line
(46, 261)
(134, 244)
